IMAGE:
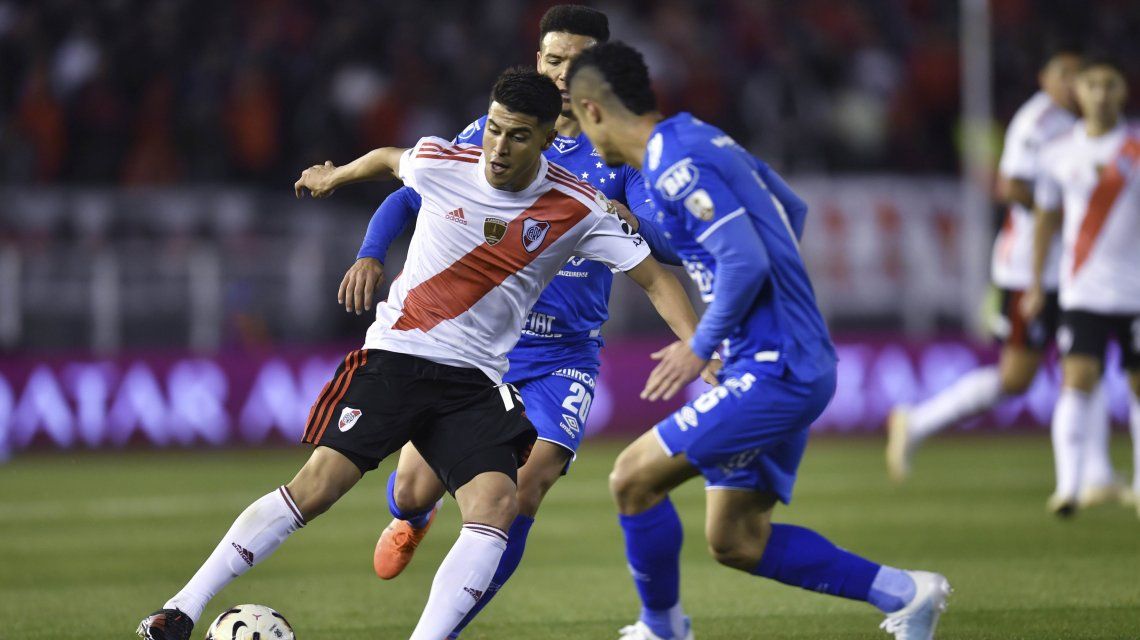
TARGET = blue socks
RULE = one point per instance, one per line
(653, 548)
(512, 556)
(417, 520)
(892, 590)
(801, 557)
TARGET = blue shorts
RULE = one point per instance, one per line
(558, 405)
(750, 431)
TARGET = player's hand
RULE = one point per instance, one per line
(708, 374)
(1032, 302)
(318, 179)
(358, 288)
(626, 215)
(678, 367)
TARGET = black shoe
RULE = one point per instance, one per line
(166, 624)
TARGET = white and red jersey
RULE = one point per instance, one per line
(1037, 122)
(1095, 182)
(480, 256)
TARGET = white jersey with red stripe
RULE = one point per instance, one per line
(1096, 183)
(480, 256)
(1037, 122)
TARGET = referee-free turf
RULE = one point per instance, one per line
(92, 542)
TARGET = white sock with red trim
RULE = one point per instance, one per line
(1097, 465)
(973, 393)
(461, 580)
(1068, 439)
(256, 534)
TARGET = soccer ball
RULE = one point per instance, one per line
(250, 622)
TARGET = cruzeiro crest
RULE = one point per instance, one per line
(493, 230)
(533, 233)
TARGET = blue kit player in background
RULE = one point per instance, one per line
(736, 225)
(555, 363)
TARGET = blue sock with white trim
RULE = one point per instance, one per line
(417, 520)
(653, 549)
(803, 558)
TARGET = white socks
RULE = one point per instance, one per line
(1073, 408)
(256, 534)
(461, 580)
(1096, 464)
(973, 393)
(1134, 425)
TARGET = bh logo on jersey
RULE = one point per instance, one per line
(678, 180)
(348, 418)
(533, 233)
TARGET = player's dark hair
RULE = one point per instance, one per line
(1061, 48)
(574, 19)
(624, 69)
(1102, 58)
(524, 90)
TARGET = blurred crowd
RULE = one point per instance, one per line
(173, 91)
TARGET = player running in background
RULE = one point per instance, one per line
(737, 226)
(1049, 113)
(555, 363)
(1092, 174)
(431, 367)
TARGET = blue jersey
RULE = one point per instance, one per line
(563, 329)
(736, 226)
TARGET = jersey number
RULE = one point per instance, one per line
(578, 402)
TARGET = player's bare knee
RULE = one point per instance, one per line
(630, 490)
(410, 497)
(531, 492)
(736, 552)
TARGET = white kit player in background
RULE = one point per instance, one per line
(1048, 114)
(1092, 174)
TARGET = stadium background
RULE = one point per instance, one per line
(160, 287)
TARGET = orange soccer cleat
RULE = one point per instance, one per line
(397, 545)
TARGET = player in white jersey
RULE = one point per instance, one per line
(496, 225)
(1049, 113)
(1092, 174)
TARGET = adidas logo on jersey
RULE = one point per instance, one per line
(456, 216)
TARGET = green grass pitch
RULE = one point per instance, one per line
(92, 542)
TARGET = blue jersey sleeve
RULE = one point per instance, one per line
(638, 200)
(659, 245)
(794, 207)
(389, 221)
(720, 223)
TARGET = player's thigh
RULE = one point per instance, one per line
(1018, 366)
(1129, 336)
(417, 487)
(325, 477)
(547, 463)
(559, 404)
(478, 427)
(645, 472)
(749, 432)
(489, 499)
(738, 524)
(368, 410)
(1082, 340)
(1013, 330)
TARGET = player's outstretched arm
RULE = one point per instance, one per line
(358, 288)
(323, 179)
(669, 298)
